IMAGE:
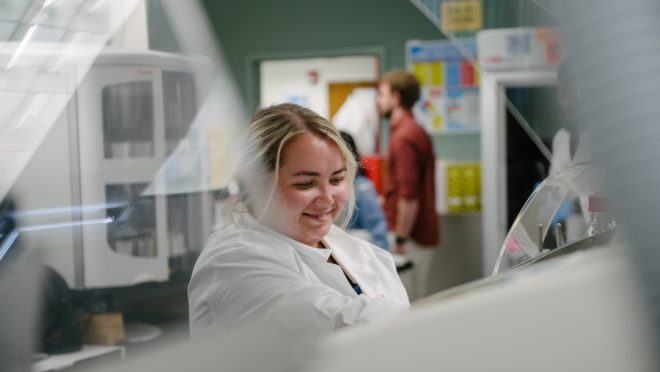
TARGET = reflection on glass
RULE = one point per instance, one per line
(28, 124)
(11, 163)
(185, 229)
(128, 121)
(83, 110)
(78, 49)
(133, 231)
(180, 106)
(526, 164)
(33, 32)
(10, 104)
(103, 16)
(13, 10)
(555, 215)
(53, 13)
(7, 29)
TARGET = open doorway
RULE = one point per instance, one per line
(321, 84)
(341, 89)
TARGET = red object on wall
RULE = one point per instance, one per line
(373, 167)
(313, 76)
(467, 74)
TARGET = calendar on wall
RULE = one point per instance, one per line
(449, 80)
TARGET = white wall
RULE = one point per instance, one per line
(282, 80)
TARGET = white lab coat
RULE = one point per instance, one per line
(575, 225)
(248, 274)
(561, 150)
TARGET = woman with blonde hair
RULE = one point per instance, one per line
(281, 259)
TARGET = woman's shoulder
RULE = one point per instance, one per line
(236, 243)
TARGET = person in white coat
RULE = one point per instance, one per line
(571, 145)
(280, 259)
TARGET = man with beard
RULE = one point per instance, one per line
(410, 179)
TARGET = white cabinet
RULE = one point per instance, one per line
(127, 116)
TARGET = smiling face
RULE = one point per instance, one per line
(312, 188)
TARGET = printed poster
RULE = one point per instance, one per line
(449, 83)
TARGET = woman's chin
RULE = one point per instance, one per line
(315, 235)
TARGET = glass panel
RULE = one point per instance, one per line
(7, 29)
(555, 215)
(103, 16)
(526, 165)
(185, 230)
(133, 230)
(27, 126)
(36, 33)
(108, 165)
(184, 210)
(11, 163)
(128, 122)
(78, 51)
(53, 13)
(86, 115)
(180, 105)
(13, 10)
(518, 51)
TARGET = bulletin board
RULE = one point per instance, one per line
(449, 83)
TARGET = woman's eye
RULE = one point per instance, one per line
(336, 181)
(303, 185)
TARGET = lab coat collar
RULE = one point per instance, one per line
(345, 246)
(306, 251)
(347, 251)
(353, 258)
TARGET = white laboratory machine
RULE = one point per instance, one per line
(81, 196)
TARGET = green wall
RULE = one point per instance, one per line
(253, 30)
(250, 30)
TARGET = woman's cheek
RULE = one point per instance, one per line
(297, 198)
(342, 193)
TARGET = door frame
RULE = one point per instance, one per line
(253, 60)
(493, 152)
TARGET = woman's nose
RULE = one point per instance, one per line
(325, 195)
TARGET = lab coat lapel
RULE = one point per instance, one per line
(333, 276)
(354, 260)
(317, 261)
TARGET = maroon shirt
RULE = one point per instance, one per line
(410, 167)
